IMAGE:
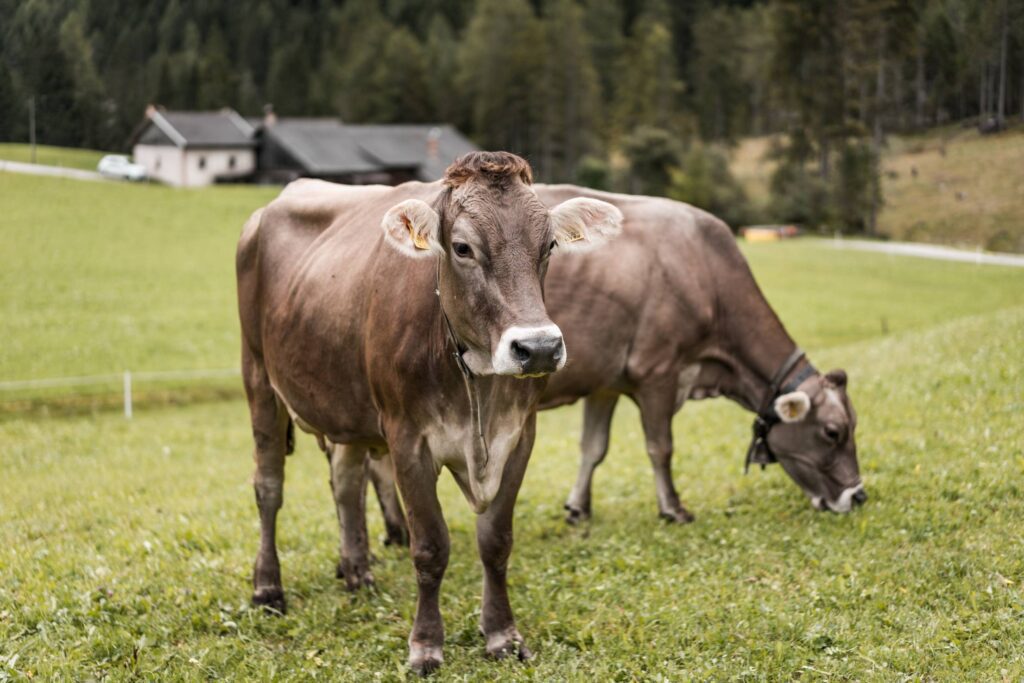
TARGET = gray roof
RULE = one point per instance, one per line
(329, 147)
(408, 146)
(321, 146)
(224, 128)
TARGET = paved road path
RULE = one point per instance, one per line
(931, 251)
(54, 171)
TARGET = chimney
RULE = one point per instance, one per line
(269, 117)
(434, 143)
(150, 110)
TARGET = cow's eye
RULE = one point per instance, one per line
(551, 248)
(462, 250)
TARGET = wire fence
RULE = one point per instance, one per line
(126, 379)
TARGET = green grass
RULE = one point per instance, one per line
(99, 278)
(85, 159)
(126, 546)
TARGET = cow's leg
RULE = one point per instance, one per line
(348, 484)
(494, 540)
(270, 433)
(597, 421)
(383, 477)
(429, 543)
(656, 410)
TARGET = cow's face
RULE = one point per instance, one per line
(493, 239)
(815, 442)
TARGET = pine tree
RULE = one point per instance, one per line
(12, 110)
(504, 87)
(399, 82)
(572, 102)
(649, 87)
(218, 80)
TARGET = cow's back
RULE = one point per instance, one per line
(630, 310)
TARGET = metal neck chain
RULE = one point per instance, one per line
(472, 391)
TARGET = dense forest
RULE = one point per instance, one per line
(641, 95)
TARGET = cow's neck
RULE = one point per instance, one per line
(748, 347)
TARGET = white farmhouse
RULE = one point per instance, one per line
(192, 149)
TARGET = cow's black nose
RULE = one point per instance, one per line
(860, 497)
(538, 354)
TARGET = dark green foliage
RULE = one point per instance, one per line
(704, 180)
(653, 153)
(798, 196)
(856, 190)
(554, 80)
(12, 109)
(594, 172)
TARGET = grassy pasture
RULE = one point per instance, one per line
(84, 159)
(126, 546)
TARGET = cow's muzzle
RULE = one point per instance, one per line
(855, 495)
(530, 351)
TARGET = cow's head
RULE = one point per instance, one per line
(815, 442)
(493, 239)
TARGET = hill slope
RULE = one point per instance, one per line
(949, 186)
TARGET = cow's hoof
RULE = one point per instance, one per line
(680, 516)
(575, 515)
(425, 659)
(397, 536)
(271, 599)
(356, 575)
(507, 643)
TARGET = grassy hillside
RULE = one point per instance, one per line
(85, 159)
(99, 278)
(966, 192)
(126, 547)
(969, 189)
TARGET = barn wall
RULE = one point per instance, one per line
(194, 167)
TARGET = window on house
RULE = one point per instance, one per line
(231, 161)
(156, 164)
(202, 162)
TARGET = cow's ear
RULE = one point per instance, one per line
(581, 223)
(793, 407)
(413, 228)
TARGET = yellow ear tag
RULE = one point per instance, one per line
(574, 236)
(418, 240)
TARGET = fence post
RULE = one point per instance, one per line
(128, 394)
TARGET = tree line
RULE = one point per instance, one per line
(638, 95)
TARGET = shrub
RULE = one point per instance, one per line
(593, 172)
(652, 154)
(704, 180)
(798, 196)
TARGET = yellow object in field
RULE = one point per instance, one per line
(761, 235)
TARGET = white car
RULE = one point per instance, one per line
(120, 167)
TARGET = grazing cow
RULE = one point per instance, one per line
(673, 313)
(428, 340)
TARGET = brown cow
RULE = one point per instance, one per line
(673, 313)
(428, 340)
